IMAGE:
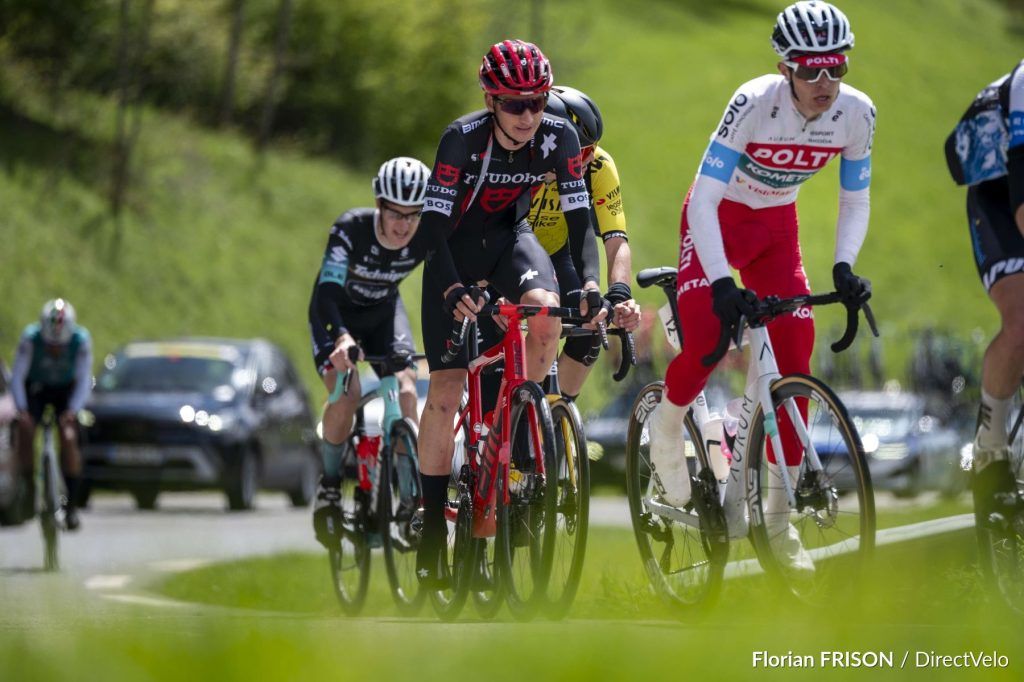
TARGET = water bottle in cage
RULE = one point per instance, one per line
(366, 452)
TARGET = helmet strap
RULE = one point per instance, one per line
(497, 123)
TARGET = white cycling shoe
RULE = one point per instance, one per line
(667, 458)
(783, 535)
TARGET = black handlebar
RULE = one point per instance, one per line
(771, 307)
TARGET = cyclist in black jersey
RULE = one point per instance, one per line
(356, 300)
(578, 271)
(986, 153)
(475, 209)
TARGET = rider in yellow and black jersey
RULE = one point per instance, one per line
(602, 178)
(577, 271)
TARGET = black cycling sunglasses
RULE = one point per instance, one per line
(516, 107)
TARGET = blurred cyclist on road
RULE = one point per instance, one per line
(52, 366)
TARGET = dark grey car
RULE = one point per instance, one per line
(197, 413)
(908, 450)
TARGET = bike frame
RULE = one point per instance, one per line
(512, 351)
(388, 392)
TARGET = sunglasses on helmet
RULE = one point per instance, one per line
(516, 107)
(809, 68)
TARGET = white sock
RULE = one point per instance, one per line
(667, 419)
(992, 429)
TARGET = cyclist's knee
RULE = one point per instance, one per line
(539, 297)
(1013, 326)
(583, 349)
(445, 391)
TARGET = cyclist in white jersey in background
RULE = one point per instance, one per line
(777, 131)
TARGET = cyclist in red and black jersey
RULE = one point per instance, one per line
(477, 200)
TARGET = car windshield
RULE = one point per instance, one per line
(167, 373)
(882, 423)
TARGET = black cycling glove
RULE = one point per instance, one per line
(854, 290)
(730, 303)
(619, 292)
(455, 296)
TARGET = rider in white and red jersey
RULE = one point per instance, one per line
(777, 131)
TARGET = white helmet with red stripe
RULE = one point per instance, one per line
(811, 27)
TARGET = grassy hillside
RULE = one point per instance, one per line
(216, 241)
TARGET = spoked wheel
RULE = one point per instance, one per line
(1001, 550)
(48, 517)
(400, 499)
(684, 551)
(460, 548)
(526, 520)
(817, 549)
(572, 508)
(350, 560)
(486, 583)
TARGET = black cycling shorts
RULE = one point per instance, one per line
(997, 243)
(512, 263)
(40, 396)
(380, 329)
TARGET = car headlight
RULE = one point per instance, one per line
(891, 451)
(870, 442)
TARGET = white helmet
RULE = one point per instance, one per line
(402, 180)
(812, 27)
(57, 321)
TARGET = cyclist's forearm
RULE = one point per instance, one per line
(619, 259)
(325, 311)
(852, 224)
(583, 245)
(83, 379)
(439, 265)
(19, 372)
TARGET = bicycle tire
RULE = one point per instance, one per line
(527, 520)
(487, 586)
(1001, 552)
(48, 517)
(837, 534)
(398, 507)
(572, 509)
(460, 550)
(350, 560)
(684, 559)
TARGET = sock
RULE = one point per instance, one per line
(73, 483)
(667, 419)
(331, 454)
(992, 422)
(435, 493)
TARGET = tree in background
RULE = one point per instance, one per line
(227, 104)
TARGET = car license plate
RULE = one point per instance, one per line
(136, 454)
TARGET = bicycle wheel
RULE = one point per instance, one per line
(48, 517)
(572, 509)
(1001, 551)
(684, 551)
(460, 548)
(825, 542)
(400, 500)
(350, 560)
(526, 521)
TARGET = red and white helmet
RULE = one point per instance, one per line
(515, 67)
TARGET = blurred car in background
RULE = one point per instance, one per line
(197, 413)
(908, 450)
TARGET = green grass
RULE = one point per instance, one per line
(926, 598)
(218, 241)
(613, 584)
